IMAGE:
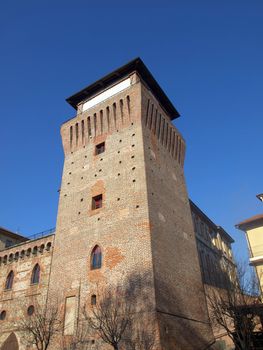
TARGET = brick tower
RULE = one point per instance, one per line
(123, 192)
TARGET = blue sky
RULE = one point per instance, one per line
(207, 56)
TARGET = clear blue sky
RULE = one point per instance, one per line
(207, 56)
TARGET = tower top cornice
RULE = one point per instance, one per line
(134, 66)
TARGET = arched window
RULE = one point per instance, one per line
(35, 274)
(2, 315)
(9, 280)
(96, 258)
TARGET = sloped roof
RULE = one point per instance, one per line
(135, 65)
(250, 221)
(6, 232)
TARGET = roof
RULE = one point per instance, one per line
(12, 234)
(135, 65)
(250, 221)
(211, 223)
(224, 233)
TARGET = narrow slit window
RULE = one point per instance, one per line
(147, 112)
(77, 133)
(159, 126)
(97, 202)
(179, 152)
(95, 124)
(128, 104)
(71, 135)
(151, 118)
(100, 148)
(114, 114)
(108, 117)
(121, 108)
(101, 121)
(89, 127)
(173, 143)
(163, 131)
(82, 131)
(155, 122)
(166, 134)
(170, 138)
(176, 147)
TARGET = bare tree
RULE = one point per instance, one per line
(122, 315)
(41, 325)
(142, 337)
(236, 309)
(110, 318)
(80, 340)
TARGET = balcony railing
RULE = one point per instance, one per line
(42, 234)
(31, 238)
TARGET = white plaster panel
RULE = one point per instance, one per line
(106, 94)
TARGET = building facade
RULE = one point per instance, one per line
(253, 228)
(124, 215)
(214, 250)
(216, 262)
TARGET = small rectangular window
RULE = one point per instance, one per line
(100, 148)
(8, 243)
(97, 202)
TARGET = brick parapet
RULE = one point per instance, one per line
(26, 250)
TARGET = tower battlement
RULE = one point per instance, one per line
(107, 106)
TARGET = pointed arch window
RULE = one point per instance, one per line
(35, 274)
(96, 258)
(9, 281)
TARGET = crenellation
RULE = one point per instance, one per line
(97, 121)
(165, 132)
(31, 247)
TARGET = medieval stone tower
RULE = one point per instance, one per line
(123, 199)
